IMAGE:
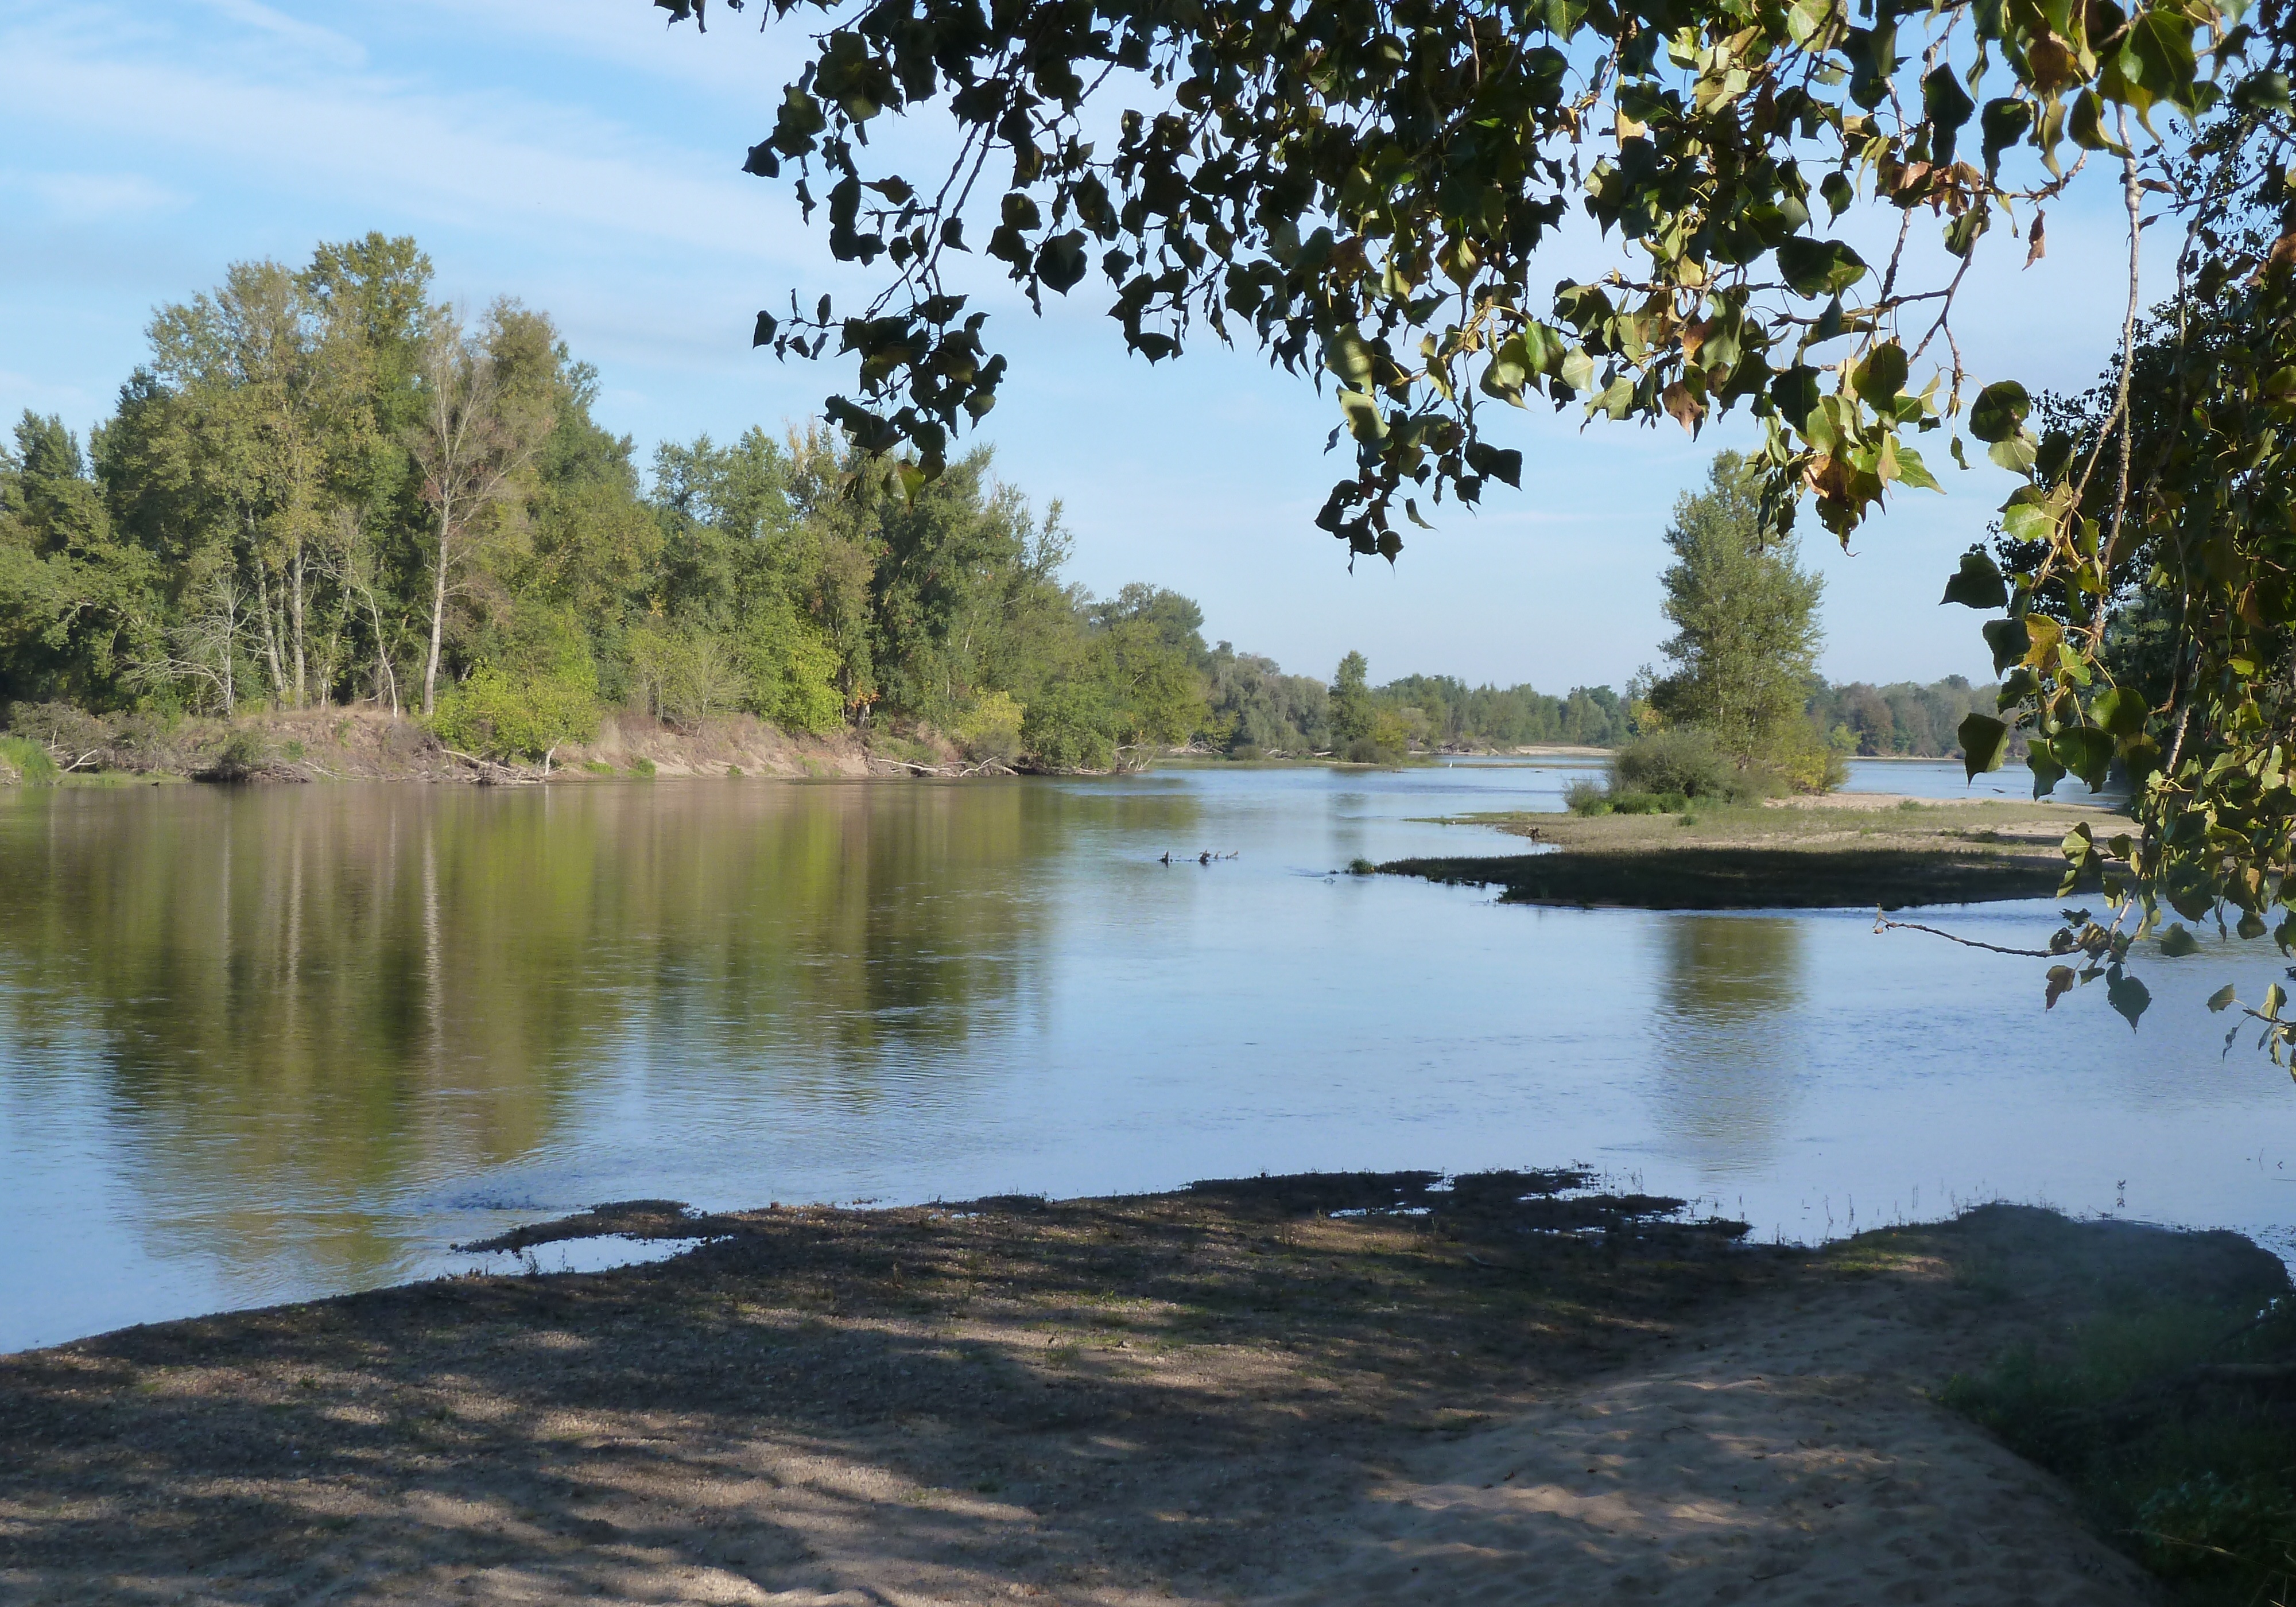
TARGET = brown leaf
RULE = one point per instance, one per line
(2284, 253)
(2050, 64)
(1829, 477)
(2040, 246)
(2061, 979)
(1685, 409)
(1694, 337)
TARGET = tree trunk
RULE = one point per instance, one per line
(438, 610)
(270, 634)
(295, 621)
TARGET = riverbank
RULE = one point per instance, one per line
(1333, 1389)
(370, 744)
(1845, 850)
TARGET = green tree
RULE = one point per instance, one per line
(1745, 617)
(1352, 713)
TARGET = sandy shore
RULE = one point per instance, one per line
(1223, 1396)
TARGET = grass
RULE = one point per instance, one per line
(27, 761)
(2166, 1410)
(1744, 857)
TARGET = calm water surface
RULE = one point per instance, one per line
(262, 1044)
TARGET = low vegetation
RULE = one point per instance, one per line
(1845, 852)
(2165, 1403)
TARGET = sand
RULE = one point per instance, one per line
(1519, 1396)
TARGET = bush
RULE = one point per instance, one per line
(990, 730)
(504, 716)
(1069, 728)
(243, 757)
(642, 767)
(22, 759)
(59, 728)
(1587, 796)
(1680, 760)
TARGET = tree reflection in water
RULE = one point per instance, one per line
(302, 1001)
(1729, 1056)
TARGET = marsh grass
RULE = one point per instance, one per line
(2172, 1417)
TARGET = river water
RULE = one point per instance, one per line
(263, 1044)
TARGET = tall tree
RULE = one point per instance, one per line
(275, 402)
(485, 416)
(1745, 617)
(1351, 711)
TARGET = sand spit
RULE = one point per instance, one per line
(1502, 1390)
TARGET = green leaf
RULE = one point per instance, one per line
(764, 329)
(1915, 472)
(1061, 260)
(1947, 106)
(2046, 772)
(1977, 584)
(1819, 267)
(2262, 92)
(1998, 411)
(1881, 375)
(2085, 751)
(2128, 997)
(1350, 356)
(1984, 743)
(2275, 996)
(2009, 640)
(2015, 454)
(1365, 421)
(2223, 998)
(2004, 123)
(2177, 942)
(2119, 710)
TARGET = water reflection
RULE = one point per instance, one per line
(1728, 1057)
(345, 991)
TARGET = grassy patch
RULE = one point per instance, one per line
(2170, 1407)
(1658, 854)
(24, 760)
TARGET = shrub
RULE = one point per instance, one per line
(990, 730)
(504, 716)
(243, 755)
(1587, 796)
(1679, 760)
(1069, 728)
(22, 759)
(792, 668)
(58, 728)
(642, 767)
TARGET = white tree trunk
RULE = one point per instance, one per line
(438, 610)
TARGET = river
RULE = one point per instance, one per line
(262, 1044)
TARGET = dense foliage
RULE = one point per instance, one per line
(1366, 192)
(1744, 652)
(324, 488)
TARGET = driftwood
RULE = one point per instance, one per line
(910, 766)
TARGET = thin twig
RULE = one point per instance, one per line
(1883, 924)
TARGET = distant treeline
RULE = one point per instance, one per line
(324, 488)
(1902, 719)
(1257, 709)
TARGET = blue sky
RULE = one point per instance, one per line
(577, 154)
